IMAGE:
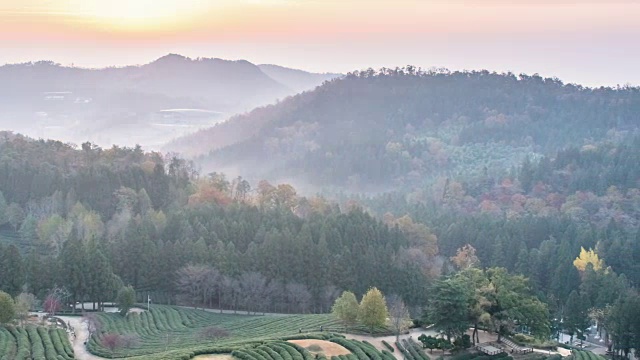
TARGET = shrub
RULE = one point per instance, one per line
(388, 346)
(314, 347)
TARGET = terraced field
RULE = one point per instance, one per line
(31, 342)
(287, 351)
(585, 355)
(177, 333)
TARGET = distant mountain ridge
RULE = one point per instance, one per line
(400, 128)
(47, 95)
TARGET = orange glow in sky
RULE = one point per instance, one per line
(587, 41)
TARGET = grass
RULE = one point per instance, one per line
(176, 333)
(34, 342)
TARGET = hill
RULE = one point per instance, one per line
(399, 128)
(297, 80)
(109, 105)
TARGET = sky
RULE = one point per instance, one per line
(590, 42)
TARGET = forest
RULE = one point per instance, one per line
(403, 128)
(78, 224)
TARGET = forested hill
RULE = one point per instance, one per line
(373, 131)
(135, 217)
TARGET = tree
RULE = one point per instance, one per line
(93, 322)
(511, 302)
(191, 281)
(112, 341)
(126, 299)
(13, 271)
(253, 285)
(429, 342)
(465, 258)
(53, 302)
(576, 315)
(623, 323)
(7, 308)
(448, 308)
(3, 210)
(399, 315)
(587, 257)
(15, 215)
(373, 311)
(474, 282)
(345, 308)
(74, 268)
(23, 303)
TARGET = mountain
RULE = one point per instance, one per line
(297, 80)
(400, 128)
(110, 105)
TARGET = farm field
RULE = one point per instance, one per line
(34, 342)
(585, 355)
(168, 332)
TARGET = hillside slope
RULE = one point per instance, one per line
(110, 105)
(375, 131)
(297, 80)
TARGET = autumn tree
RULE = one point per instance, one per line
(465, 258)
(191, 281)
(373, 310)
(112, 342)
(23, 303)
(345, 308)
(53, 302)
(588, 257)
(398, 315)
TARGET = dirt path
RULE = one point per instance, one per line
(82, 335)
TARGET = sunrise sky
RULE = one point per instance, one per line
(593, 42)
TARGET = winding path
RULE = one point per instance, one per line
(82, 335)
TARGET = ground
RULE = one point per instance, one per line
(82, 335)
(328, 348)
(214, 357)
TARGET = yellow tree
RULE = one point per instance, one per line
(346, 308)
(587, 257)
(373, 309)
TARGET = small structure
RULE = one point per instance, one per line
(515, 347)
(488, 348)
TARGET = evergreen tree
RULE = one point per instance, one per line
(576, 317)
(7, 308)
(448, 309)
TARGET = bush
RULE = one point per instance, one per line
(388, 346)
(314, 348)
(463, 342)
